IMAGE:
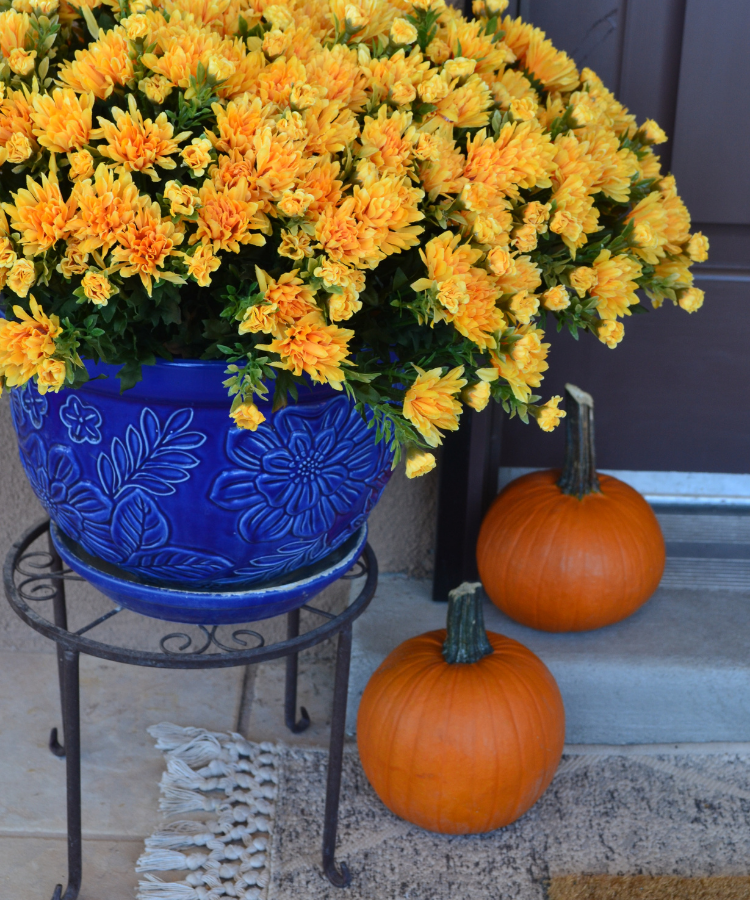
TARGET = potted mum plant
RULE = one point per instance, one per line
(253, 254)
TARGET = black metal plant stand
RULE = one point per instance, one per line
(35, 576)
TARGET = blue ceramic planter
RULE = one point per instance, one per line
(157, 481)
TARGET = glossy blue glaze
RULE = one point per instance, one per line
(159, 483)
(211, 607)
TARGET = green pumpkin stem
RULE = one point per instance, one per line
(578, 476)
(467, 640)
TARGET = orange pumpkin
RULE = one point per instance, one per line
(461, 746)
(570, 550)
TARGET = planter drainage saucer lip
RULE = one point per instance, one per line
(224, 605)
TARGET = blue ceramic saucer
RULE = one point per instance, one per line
(210, 607)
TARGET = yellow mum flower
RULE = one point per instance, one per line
(525, 238)
(548, 416)
(419, 462)
(334, 273)
(652, 132)
(201, 264)
(331, 127)
(102, 66)
(26, 343)
(137, 144)
(15, 116)
(434, 88)
(336, 72)
(650, 224)
(183, 199)
(510, 86)
(97, 287)
(388, 141)
(290, 298)
(14, 28)
(18, 149)
(452, 294)
(156, 87)
(106, 206)
(312, 347)
(477, 396)
(697, 247)
(21, 61)
(403, 32)
(677, 230)
(615, 284)
(81, 165)
(295, 246)
(40, 214)
(7, 253)
(247, 416)
(50, 375)
(524, 306)
(343, 237)
(430, 404)
(343, 306)
(583, 279)
(500, 261)
(479, 319)
(524, 275)
(467, 106)
(21, 277)
(237, 124)
(145, 245)
(552, 67)
(226, 219)
(441, 173)
(294, 203)
(438, 51)
(62, 119)
(445, 256)
(556, 298)
(461, 67)
(468, 40)
(75, 261)
(522, 367)
(389, 207)
(520, 157)
(691, 300)
(611, 332)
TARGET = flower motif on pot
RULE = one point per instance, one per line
(298, 475)
(28, 407)
(82, 421)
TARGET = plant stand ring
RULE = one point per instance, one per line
(38, 576)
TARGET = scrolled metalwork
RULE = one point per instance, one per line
(211, 639)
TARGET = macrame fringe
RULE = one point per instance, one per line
(235, 782)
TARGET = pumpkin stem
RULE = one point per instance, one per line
(467, 641)
(579, 476)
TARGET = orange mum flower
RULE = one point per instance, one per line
(390, 206)
(467, 106)
(520, 157)
(26, 344)
(615, 285)
(323, 184)
(554, 68)
(331, 127)
(479, 319)
(62, 119)
(275, 82)
(226, 219)
(287, 300)
(106, 206)
(14, 27)
(388, 141)
(345, 238)
(145, 246)
(15, 116)
(429, 403)
(278, 165)
(445, 259)
(40, 214)
(238, 124)
(312, 347)
(139, 144)
(104, 64)
(338, 71)
(441, 172)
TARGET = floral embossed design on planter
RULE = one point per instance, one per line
(28, 406)
(82, 421)
(297, 477)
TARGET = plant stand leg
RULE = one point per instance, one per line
(290, 689)
(337, 874)
(61, 620)
(72, 723)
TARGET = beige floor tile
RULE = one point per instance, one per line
(31, 867)
(120, 766)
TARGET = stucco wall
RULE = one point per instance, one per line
(402, 527)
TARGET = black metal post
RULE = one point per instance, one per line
(72, 719)
(60, 613)
(290, 687)
(339, 875)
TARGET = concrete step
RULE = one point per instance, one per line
(676, 671)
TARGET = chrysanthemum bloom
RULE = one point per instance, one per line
(469, 39)
(477, 396)
(438, 51)
(40, 214)
(676, 272)
(548, 416)
(434, 88)
(201, 264)
(106, 206)
(345, 238)
(524, 306)
(275, 42)
(525, 238)
(15, 115)
(104, 64)
(22, 62)
(248, 416)
(524, 109)
(81, 165)
(156, 87)
(334, 273)
(461, 67)
(97, 287)
(18, 149)
(145, 246)
(25, 344)
(51, 375)
(677, 230)
(226, 220)
(582, 279)
(7, 253)
(500, 261)
(537, 214)
(556, 298)
(522, 367)
(137, 144)
(466, 106)
(524, 276)
(652, 132)
(403, 32)
(14, 27)
(697, 247)
(691, 300)
(403, 93)
(291, 298)
(337, 70)
(430, 404)
(331, 127)
(419, 462)
(512, 85)
(343, 306)
(390, 207)
(611, 332)
(387, 141)
(295, 246)
(62, 120)
(445, 256)
(136, 26)
(520, 157)
(650, 224)
(183, 198)
(75, 261)
(552, 67)
(237, 124)
(452, 294)
(615, 284)
(442, 172)
(312, 347)
(21, 277)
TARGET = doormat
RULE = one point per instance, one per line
(645, 887)
(223, 789)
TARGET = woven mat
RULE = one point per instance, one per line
(674, 814)
(644, 887)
